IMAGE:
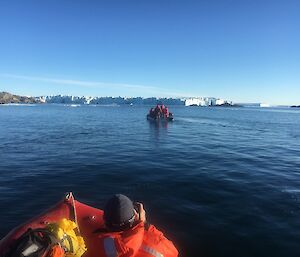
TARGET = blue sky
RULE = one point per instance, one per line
(241, 50)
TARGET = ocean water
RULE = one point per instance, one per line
(217, 181)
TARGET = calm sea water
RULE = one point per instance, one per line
(216, 181)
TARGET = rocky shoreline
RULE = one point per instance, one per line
(7, 98)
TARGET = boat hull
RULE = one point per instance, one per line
(88, 219)
(159, 119)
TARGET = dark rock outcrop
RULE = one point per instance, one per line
(7, 98)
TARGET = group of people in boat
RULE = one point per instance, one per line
(160, 111)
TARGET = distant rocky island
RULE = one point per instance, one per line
(7, 98)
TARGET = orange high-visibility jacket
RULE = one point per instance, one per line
(135, 242)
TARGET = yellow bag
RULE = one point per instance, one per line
(73, 245)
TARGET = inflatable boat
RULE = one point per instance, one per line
(87, 218)
(90, 225)
(158, 119)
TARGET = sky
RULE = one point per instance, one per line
(239, 50)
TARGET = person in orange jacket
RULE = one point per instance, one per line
(165, 112)
(158, 111)
(129, 235)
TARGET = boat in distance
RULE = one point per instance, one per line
(160, 113)
(158, 119)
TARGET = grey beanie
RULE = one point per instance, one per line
(118, 211)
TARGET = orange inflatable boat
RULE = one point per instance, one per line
(89, 221)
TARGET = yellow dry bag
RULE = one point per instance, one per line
(64, 231)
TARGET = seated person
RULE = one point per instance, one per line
(152, 113)
(167, 112)
(128, 234)
(158, 111)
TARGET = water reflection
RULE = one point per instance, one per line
(158, 124)
(158, 130)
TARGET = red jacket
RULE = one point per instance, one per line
(136, 242)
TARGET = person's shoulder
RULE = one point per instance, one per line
(156, 239)
(153, 234)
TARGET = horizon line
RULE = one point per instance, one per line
(156, 91)
(177, 98)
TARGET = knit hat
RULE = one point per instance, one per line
(118, 212)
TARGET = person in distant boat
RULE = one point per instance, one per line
(152, 113)
(158, 111)
(128, 233)
(163, 111)
(166, 112)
